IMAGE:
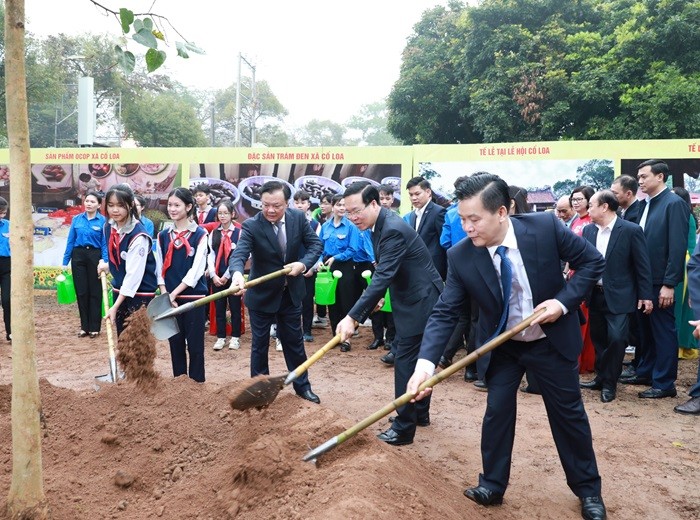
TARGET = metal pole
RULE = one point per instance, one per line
(252, 117)
(238, 103)
(213, 138)
(119, 120)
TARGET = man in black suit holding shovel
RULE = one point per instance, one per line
(405, 267)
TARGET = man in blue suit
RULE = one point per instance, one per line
(692, 406)
(624, 288)
(520, 256)
(664, 220)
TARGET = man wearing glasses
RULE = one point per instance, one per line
(405, 267)
(274, 239)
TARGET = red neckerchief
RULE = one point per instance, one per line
(202, 214)
(225, 246)
(114, 241)
(179, 237)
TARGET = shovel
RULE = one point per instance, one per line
(263, 390)
(113, 375)
(162, 313)
(406, 398)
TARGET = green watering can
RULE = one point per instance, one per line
(326, 282)
(65, 290)
(367, 275)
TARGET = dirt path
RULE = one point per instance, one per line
(181, 452)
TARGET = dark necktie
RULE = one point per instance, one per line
(506, 284)
(281, 237)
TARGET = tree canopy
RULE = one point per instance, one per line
(525, 70)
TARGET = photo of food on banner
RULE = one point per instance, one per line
(242, 182)
(58, 191)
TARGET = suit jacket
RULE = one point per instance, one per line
(627, 275)
(542, 241)
(666, 231)
(694, 282)
(259, 241)
(429, 230)
(404, 267)
(635, 210)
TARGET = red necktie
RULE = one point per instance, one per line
(201, 217)
(224, 248)
(114, 247)
(182, 239)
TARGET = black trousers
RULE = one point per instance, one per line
(288, 319)
(88, 288)
(234, 304)
(609, 334)
(559, 384)
(127, 308)
(383, 320)
(5, 292)
(404, 365)
(347, 292)
(307, 304)
(190, 340)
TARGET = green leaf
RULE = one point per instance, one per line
(154, 59)
(148, 24)
(125, 60)
(193, 48)
(145, 38)
(126, 18)
(138, 25)
(181, 50)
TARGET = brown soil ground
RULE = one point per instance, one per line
(175, 448)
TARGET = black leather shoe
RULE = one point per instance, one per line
(480, 385)
(388, 359)
(484, 496)
(345, 346)
(655, 393)
(628, 371)
(635, 380)
(310, 396)
(470, 374)
(691, 407)
(395, 439)
(425, 421)
(444, 362)
(592, 508)
(607, 395)
(594, 384)
(375, 344)
(387, 346)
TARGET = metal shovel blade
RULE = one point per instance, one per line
(163, 328)
(259, 394)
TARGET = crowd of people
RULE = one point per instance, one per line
(606, 268)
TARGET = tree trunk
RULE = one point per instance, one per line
(26, 497)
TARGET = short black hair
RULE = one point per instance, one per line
(3, 203)
(336, 198)
(519, 196)
(140, 198)
(368, 191)
(301, 195)
(586, 191)
(492, 190)
(201, 187)
(657, 167)
(386, 188)
(271, 186)
(99, 196)
(418, 181)
(609, 198)
(124, 196)
(627, 183)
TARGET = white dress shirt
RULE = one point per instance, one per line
(603, 239)
(419, 215)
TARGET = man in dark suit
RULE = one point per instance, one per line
(404, 267)
(274, 239)
(625, 188)
(427, 218)
(517, 259)
(665, 223)
(624, 287)
(692, 405)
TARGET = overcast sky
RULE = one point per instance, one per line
(322, 59)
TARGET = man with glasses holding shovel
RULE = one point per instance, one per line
(405, 267)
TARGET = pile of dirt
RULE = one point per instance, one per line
(180, 451)
(137, 351)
